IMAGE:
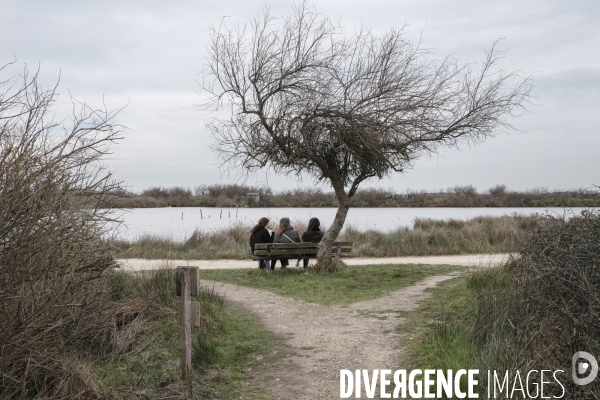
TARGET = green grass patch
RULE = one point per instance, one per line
(232, 352)
(347, 286)
(437, 335)
(243, 353)
(438, 331)
(460, 323)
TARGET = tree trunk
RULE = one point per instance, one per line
(324, 247)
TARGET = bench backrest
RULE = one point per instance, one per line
(300, 250)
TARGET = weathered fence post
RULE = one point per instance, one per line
(186, 328)
(187, 316)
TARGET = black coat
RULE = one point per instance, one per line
(261, 235)
(312, 236)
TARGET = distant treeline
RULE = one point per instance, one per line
(458, 196)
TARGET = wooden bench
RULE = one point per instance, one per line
(277, 251)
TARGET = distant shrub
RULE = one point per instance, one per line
(497, 190)
(233, 195)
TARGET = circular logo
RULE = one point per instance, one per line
(584, 363)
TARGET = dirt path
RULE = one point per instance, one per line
(473, 260)
(325, 339)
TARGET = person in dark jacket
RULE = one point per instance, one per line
(285, 234)
(261, 233)
(313, 234)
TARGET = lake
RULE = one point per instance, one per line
(179, 223)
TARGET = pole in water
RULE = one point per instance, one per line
(228, 214)
(201, 214)
(221, 215)
(236, 211)
(182, 215)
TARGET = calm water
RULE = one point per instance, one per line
(179, 223)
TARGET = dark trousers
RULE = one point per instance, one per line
(284, 263)
(263, 264)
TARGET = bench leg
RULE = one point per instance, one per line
(268, 259)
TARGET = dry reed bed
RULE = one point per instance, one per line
(426, 237)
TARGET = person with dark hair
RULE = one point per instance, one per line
(261, 233)
(313, 235)
(285, 234)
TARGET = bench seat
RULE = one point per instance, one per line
(277, 251)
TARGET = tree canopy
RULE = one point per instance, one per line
(308, 98)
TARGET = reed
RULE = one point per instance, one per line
(426, 237)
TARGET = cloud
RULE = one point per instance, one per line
(151, 53)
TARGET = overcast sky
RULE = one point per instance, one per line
(149, 54)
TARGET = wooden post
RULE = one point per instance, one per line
(186, 342)
(187, 285)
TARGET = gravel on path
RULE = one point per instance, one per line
(471, 260)
(326, 339)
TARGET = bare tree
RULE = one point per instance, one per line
(309, 99)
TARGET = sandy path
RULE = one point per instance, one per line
(473, 260)
(325, 339)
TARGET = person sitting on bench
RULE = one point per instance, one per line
(261, 233)
(285, 234)
(313, 234)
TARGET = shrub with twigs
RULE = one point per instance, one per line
(545, 305)
(53, 251)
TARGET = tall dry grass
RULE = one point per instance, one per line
(144, 339)
(427, 237)
(439, 237)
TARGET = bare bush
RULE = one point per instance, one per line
(53, 249)
(468, 190)
(175, 196)
(546, 304)
(497, 190)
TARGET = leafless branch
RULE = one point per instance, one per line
(52, 234)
